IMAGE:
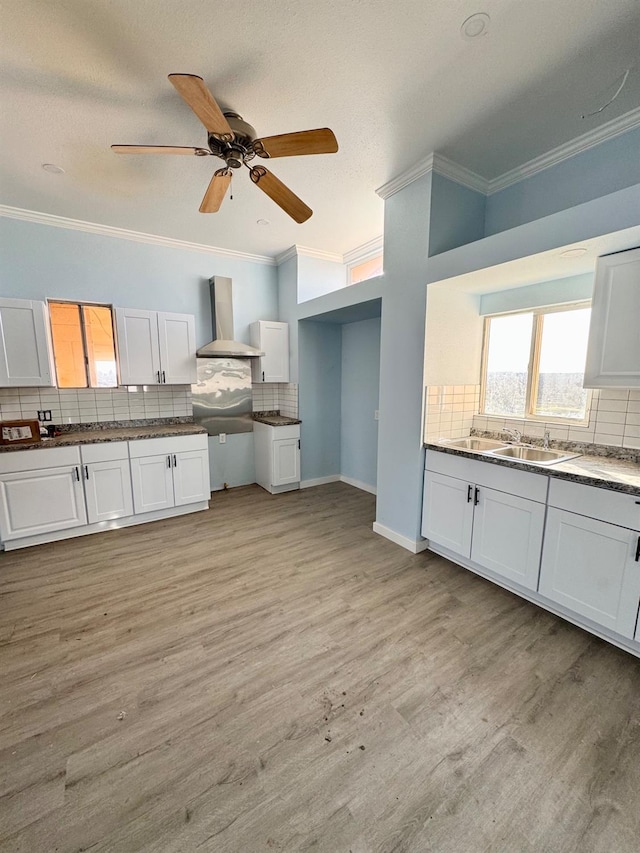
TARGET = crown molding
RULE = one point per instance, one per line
(461, 175)
(364, 252)
(435, 163)
(303, 251)
(125, 234)
(628, 121)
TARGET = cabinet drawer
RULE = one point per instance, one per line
(280, 432)
(43, 457)
(604, 504)
(492, 475)
(109, 451)
(169, 444)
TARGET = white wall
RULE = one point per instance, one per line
(453, 338)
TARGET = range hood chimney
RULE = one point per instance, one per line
(222, 319)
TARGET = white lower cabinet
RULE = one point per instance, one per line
(277, 456)
(496, 529)
(107, 481)
(165, 474)
(51, 493)
(589, 565)
(41, 501)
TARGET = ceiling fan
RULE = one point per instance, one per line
(231, 139)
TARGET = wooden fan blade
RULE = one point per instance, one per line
(157, 149)
(321, 141)
(215, 193)
(281, 194)
(194, 91)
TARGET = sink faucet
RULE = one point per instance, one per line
(545, 441)
(515, 435)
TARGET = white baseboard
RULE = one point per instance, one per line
(358, 484)
(320, 481)
(413, 545)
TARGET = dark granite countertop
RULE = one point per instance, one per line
(606, 472)
(75, 434)
(274, 419)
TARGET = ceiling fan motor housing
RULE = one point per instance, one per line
(234, 153)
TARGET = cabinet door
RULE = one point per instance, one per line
(152, 481)
(33, 502)
(507, 536)
(25, 350)
(191, 477)
(138, 351)
(613, 353)
(589, 567)
(177, 340)
(107, 488)
(447, 512)
(273, 339)
(286, 461)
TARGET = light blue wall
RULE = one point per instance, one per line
(232, 462)
(320, 355)
(601, 170)
(42, 261)
(572, 289)
(458, 215)
(317, 277)
(360, 392)
(400, 454)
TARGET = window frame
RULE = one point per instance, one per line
(533, 366)
(83, 332)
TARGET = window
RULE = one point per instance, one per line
(533, 365)
(83, 345)
(365, 270)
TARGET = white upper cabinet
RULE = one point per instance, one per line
(25, 350)
(177, 338)
(273, 339)
(613, 354)
(155, 348)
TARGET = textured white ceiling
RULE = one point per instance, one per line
(395, 81)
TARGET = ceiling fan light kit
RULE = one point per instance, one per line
(233, 140)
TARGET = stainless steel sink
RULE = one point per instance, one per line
(480, 445)
(534, 455)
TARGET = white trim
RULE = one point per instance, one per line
(319, 481)
(413, 545)
(298, 251)
(581, 143)
(461, 175)
(125, 234)
(358, 484)
(368, 250)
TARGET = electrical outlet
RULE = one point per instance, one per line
(376, 415)
(223, 438)
(44, 415)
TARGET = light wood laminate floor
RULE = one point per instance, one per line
(270, 675)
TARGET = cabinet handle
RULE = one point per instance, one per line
(77, 473)
(638, 551)
(298, 444)
(263, 375)
(86, 472)
(164, 378)
(469, 490)
(175, 462)
(168, 461)
(158, 376)
(476, 496)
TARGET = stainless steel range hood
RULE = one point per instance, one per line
(222, 316)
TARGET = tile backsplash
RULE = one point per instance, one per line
(614, 417)
(269, 396)
(90, 405)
